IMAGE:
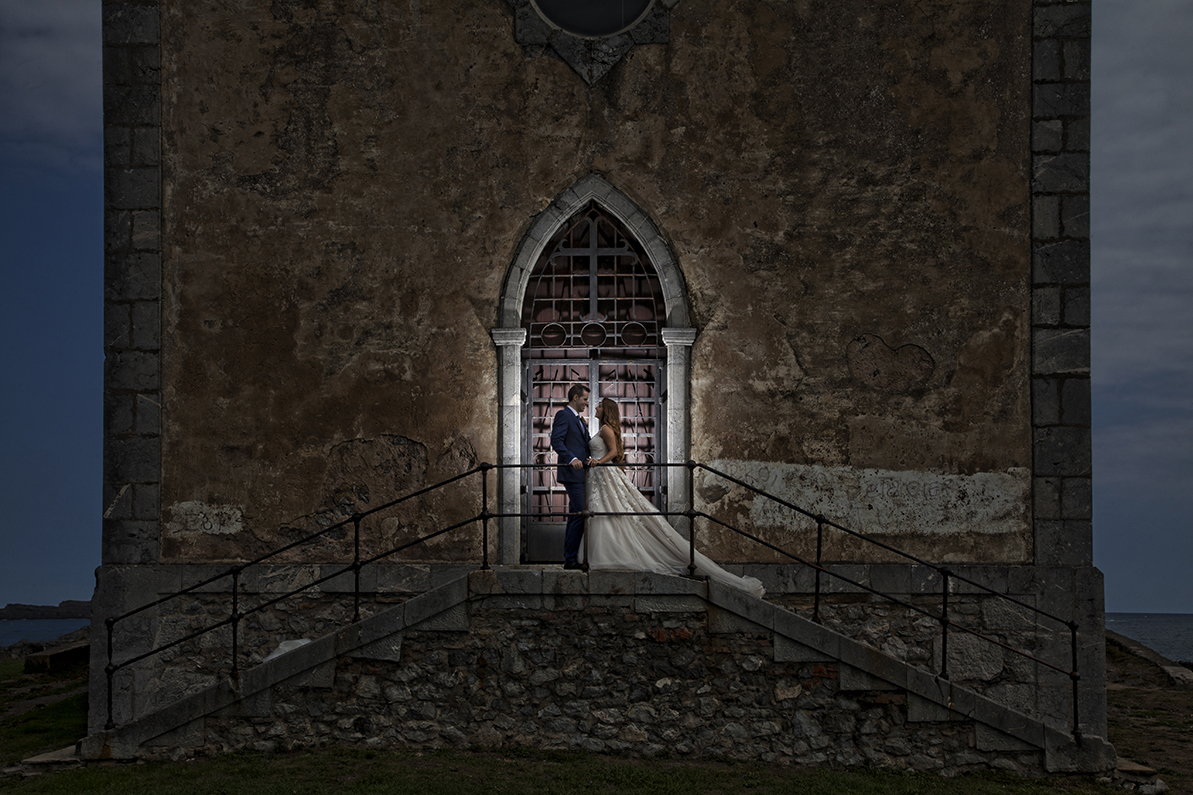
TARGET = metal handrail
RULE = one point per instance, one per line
(485, 516)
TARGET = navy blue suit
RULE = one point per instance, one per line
(569, 438)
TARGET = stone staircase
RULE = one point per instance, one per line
(633, 663)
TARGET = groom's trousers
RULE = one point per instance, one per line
(575, 526)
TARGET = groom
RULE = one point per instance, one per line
(569, 438)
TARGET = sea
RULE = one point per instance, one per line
(38, 629)
(1170, 634)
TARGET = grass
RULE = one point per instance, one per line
(44, 728)
(396, 772)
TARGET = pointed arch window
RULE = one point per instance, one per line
(593, 289)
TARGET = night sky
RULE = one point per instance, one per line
(51, 304)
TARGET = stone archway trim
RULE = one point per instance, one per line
(593, 188)
(509, 337)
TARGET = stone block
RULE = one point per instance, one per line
(1075, 401)
(252, 705)
(133, 188)
(1062, 172)
(117, 66)
(1069, 20)
(401, 577)
(442, 574)
(320, 677)
(118, 147)
(648, 604)
(1077, 59)
(146, 326)
(118, 236)
(535, 602)
(387, 649)
(1045, 401)
(1062, 451)
(145, 64)
(130, 542)
(130, 23)
(189, 735)
(971, 659)
(561, 603)
(1076, 311)
(1046, 61)
(1077, 498)
(118, 501)
(891, 578)
(148, 415)
(845, 573)
(671, 585)
(1047, 136)
(1074, 215)
(852, 678)
(1046, 306)
(726, 622)
(923, 710)
(790, 628)
(558, 582)
(147, 503)
(520, 581)
(132, 277)
(788, 650)
(1050, 100)
(135, 371)
(1064, 262)
(1045, 218)
(146, 230)
(608, 582)
(435, 601)
(1061, 352)
(1077, 134)
(453, 619)
(1046, 498)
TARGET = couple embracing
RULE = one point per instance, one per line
(644, 542)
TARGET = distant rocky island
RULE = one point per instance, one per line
(68, 609)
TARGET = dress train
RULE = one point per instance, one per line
(640, 543)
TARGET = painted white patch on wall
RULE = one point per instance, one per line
(195, 518)
(877, 501)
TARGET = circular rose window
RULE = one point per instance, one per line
(593, 18)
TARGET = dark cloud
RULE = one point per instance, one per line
(50, 83)
(1141, 215)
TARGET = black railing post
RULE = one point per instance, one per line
(485, 515)
(1074, 676)
(691, 514)
(355, 567)
(109, 671)
(819, 549)
(944, 625)
(235, 620)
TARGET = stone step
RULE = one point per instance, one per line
(532, 593)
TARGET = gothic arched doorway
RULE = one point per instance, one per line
(634, 347)
(593, 311)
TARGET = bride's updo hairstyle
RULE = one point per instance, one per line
(612, 417)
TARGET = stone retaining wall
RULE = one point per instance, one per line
(605, 679)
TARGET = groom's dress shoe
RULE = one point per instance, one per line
(575, 565)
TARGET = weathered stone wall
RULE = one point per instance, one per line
(845, 188)
(605, 679)
(899, 631)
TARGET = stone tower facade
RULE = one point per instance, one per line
(868, 229)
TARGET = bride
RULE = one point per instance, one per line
(636, 543)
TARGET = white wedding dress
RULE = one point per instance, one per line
(640, 543)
